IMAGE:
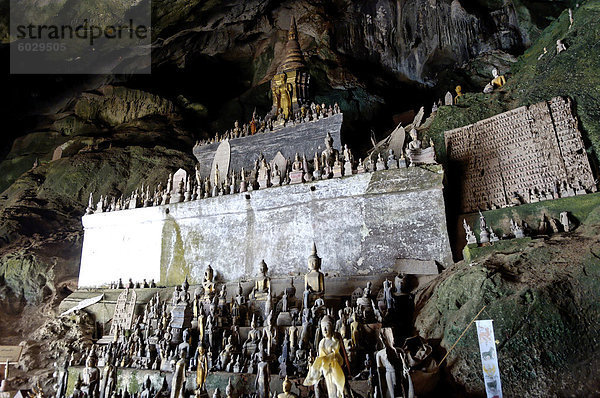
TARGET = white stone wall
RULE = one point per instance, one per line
(360, 224)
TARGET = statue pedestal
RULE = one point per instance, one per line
(484, 236)
(337, 171)
(263, 182)
(347, 169)
(296, 176)
(284, 319)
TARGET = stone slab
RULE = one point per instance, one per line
(11, 353)
(307, 138)
(361, 224)
(538, 147)
(411, 266)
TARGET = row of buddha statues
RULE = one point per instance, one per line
(258, 125)
(556, 190)
(260, 333)
(518, 230)
(330, 163)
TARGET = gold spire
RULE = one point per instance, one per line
(293, 54)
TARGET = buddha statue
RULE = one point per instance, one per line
(415, 143)
(297, 165)
(201, 369)
(208, 282)
(287, 388)
(262, 284)
(328, 363)
(91, 376)
(458, 94)
(229, 390)
(314, 280)
(178, 383)
(497, 82)
(328, 156)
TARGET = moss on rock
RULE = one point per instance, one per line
(542, 297)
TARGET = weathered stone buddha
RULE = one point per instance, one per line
(91, 376)
(314, 280)
(328, 156)
(262, 284)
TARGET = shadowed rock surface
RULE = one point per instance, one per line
(542, 296)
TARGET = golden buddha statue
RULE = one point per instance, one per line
(328, 363)
(458, 94)
(498, 81)
(314, 280)
(201, 369)
(290, 85)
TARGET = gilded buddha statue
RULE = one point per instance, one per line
(328, 363)
(290, 85)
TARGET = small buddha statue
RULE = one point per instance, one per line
(287, 388)
(314, 280)
(262, 284)
(178, 383)
(201, 368)
(497, 82)
(328, 155)
(229, 390)
(91, 376)
(458, 94)
(415, 143)
(208, 282)
(297, 165)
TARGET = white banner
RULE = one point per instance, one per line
(84, 303)
(489, 358)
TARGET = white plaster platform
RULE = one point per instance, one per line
(361, 224)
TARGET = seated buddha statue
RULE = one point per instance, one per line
(497, 82)
(208, 282)
(262, 282)
(314, 280)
